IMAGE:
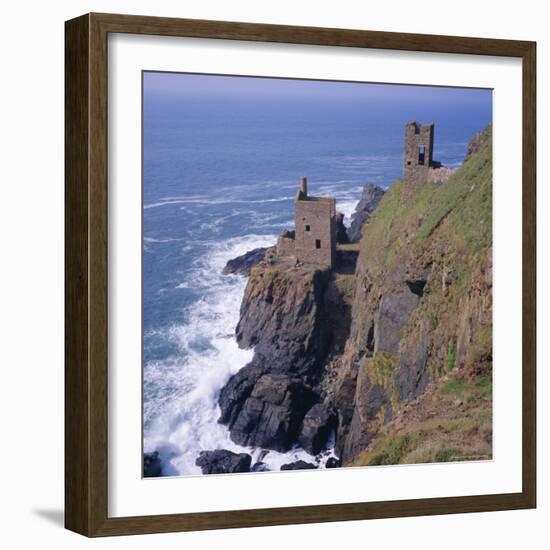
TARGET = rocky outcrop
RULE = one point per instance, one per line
(272, 415)
(241, 265)
(222, 461)
(152, 466)
(333, 462)
(372, 194)
(237, 390)
(283, 318)
(259, 467)
(317, 426)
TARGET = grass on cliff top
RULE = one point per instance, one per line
(453, 423)
(456, 216)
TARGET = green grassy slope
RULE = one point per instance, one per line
(444, 233)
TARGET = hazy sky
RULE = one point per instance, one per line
(193, 85)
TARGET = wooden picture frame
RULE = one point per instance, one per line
(86, 283)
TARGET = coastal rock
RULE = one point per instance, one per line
(151, 465)
(272, 415)
(298, 465)
(222, 461)
(317, 426)
(241, 265)
(259, 467)
(371, 197)
(282, 317)
(333, 462)
(237, 391)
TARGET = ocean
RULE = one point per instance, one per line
(220, 172)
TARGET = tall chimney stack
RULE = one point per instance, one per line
(303, 185)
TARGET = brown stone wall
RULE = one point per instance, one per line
(440, 175)
(285, 246)
(315, 240)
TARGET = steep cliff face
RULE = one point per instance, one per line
(283, 316)
(282, 319)
(351, 350)
(423, 303)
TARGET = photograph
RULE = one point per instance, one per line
(317, 274)
(274, 275)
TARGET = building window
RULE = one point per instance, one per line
(308, 228)
(421, 154)
(317, 243)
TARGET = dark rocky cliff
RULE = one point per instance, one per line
(241, 265)
(351, 352)
(283, 317)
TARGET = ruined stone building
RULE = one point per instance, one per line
(314, 239)
(419, 147)
(418, 164)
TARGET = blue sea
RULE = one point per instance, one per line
(221, 165)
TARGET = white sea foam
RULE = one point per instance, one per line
(210, 201)
(167, 240)
(347, 207)
(339, 192)
(237, 190)
(180, 405)
(274, 460)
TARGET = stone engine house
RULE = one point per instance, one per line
(419, 147)
(314, 239)
(418, 164)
